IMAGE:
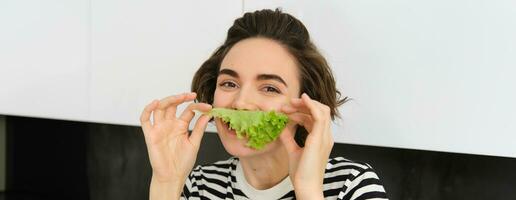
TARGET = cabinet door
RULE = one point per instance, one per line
(432, 75)
(145, 50)
(44, 52)
(102, 61)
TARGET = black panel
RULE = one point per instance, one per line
(118, 165)
(426, 175)
(52, 159)
(46, 159)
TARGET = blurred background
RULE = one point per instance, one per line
(432, 85)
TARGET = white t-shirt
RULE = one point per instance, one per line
(343, 180)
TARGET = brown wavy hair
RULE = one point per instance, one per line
(316, 78)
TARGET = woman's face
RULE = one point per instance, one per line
(256, 74)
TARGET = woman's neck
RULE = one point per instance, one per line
(265, 171)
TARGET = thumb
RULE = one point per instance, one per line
(198, 130)
(287, 138)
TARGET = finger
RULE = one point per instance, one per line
(315, 111)
(287, 109)
(302, 104)
(294, 114)
(302, 119)
(326, 122)
(145, 116)
(287, 138)
(177, 99)
(296, 101)
(299, 105)
(319, 122)
(199, 129)
(189, 113)
(169, 105)
(170, 102)
(170, 112)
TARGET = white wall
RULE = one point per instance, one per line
(431, 75)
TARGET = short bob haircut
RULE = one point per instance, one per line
(316, 78)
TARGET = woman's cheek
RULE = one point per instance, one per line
(221, 98)
(268, 105)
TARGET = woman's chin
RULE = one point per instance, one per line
(237, 147)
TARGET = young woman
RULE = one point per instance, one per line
(266, 63)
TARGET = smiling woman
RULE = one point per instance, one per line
(267, 63)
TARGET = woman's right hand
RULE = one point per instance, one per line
(172, 151)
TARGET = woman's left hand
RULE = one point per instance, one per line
(307, 165)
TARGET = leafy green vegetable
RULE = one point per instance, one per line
(259, 127)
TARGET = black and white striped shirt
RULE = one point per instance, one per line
(343, 180)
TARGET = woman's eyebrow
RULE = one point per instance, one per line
(260, 77)
(275, 77)
(228, 72)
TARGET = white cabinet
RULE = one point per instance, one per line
(150, 49)
(102, 61)
(431, 75)
(44, 58)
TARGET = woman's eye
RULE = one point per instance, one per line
(228, 84)
(271, 89)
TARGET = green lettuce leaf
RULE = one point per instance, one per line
(259, 127)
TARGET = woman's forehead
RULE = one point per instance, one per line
(255, 56)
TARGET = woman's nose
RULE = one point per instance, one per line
(244, 100)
